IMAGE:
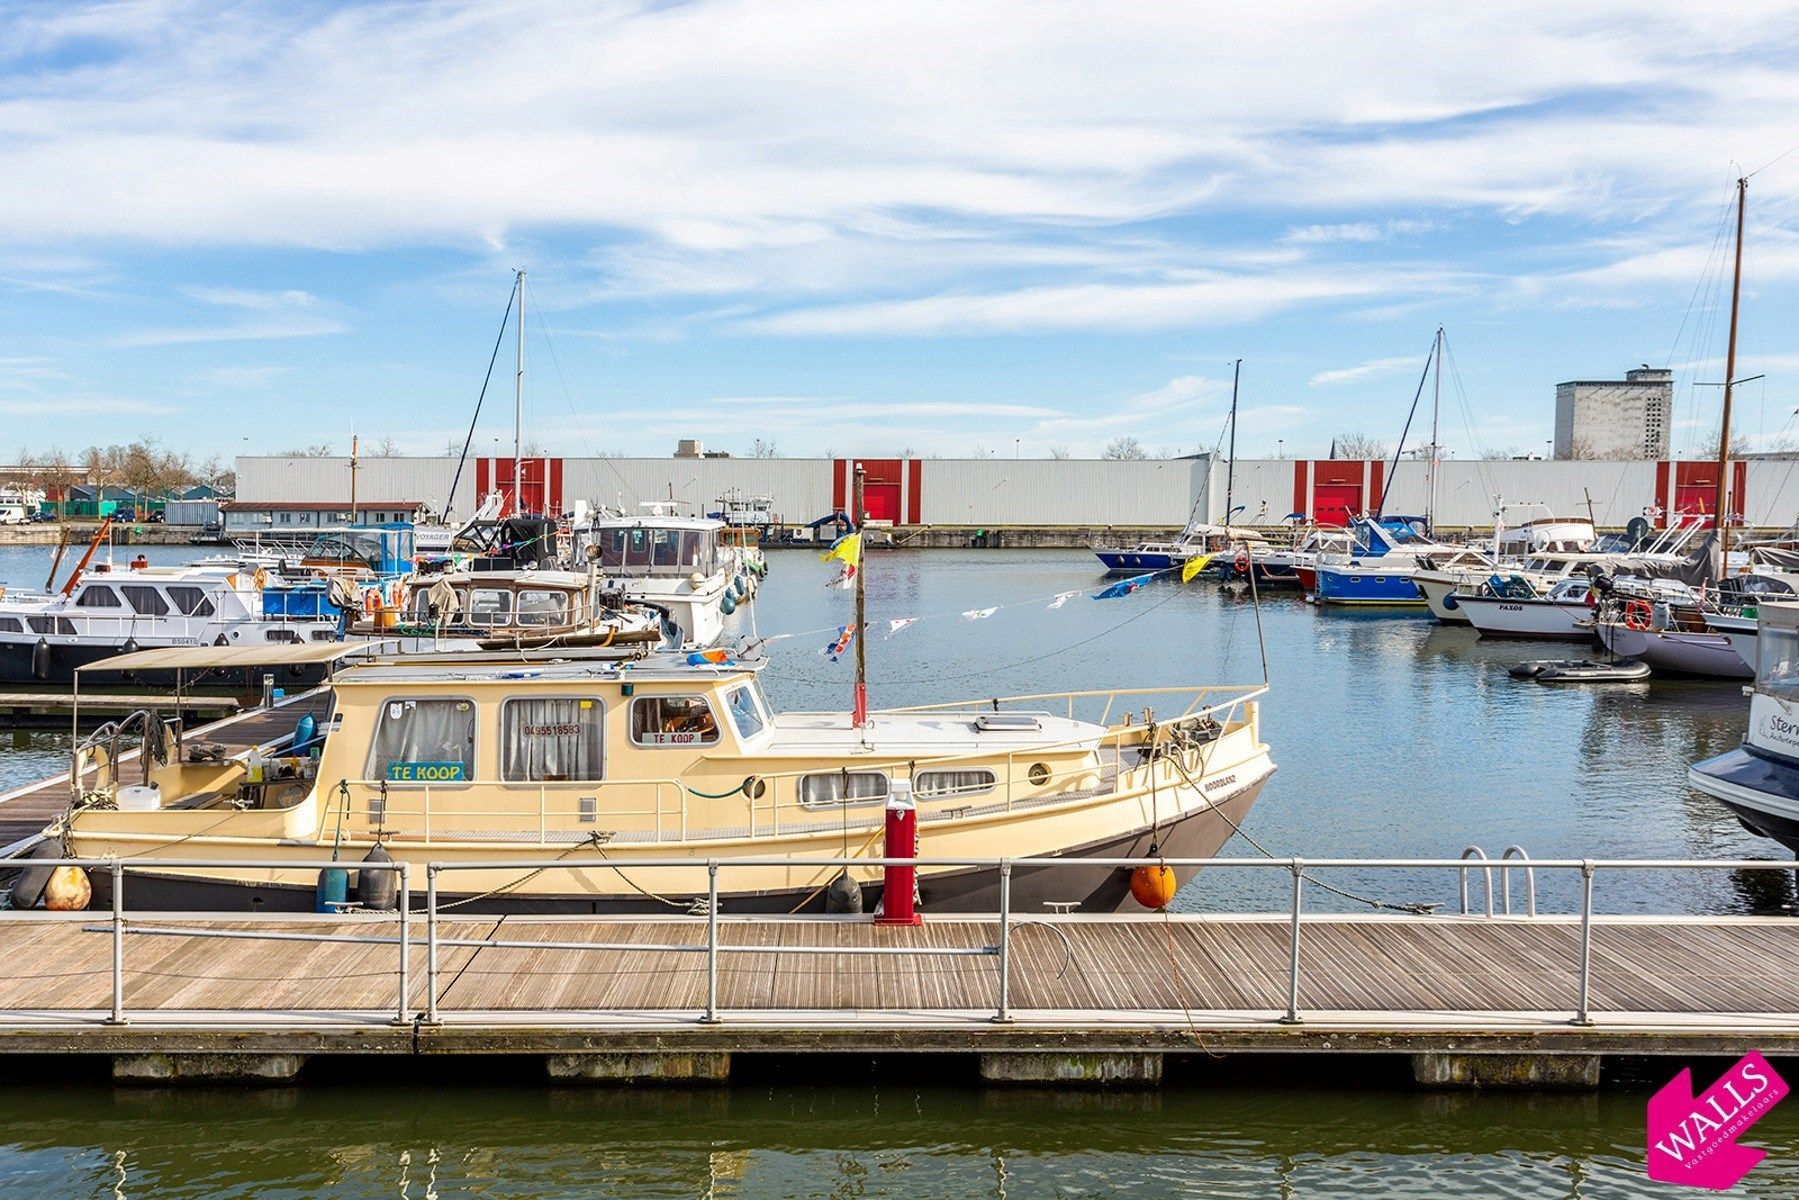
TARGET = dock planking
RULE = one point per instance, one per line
(1659, 985)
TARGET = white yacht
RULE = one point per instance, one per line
(1759, 781)
(680, 566)
(108, 610)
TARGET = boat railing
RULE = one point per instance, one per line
(396, 928)
(773, 802)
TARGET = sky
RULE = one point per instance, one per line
(958, 229)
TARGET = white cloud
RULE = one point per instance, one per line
(1373, 368)
(276, 315)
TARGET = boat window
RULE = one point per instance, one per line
(540, 607)
(98, 596)
(673, 721)
(424, 741)
(41, 624)
(11, 625)
(551, 740)
(928, 784)
(1777, 661)
(612, 546)
(490, 606)
(146, 600)
(191, 601)
(747, 710)
(637, 548)
(843, 787)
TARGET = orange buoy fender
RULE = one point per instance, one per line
(1153, 887)
(68, 890)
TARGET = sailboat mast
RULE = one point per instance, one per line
(518, 403)
(1230, 466)
(1436, 413)
(860, 716)
(1730, 374)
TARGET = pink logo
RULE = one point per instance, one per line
(1692, 1140)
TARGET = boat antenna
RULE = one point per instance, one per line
(860, 716)
(1230, 465)
(450, 500)
(518, 403)
(1730, 372)
(1381, 509)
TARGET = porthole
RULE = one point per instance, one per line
(1038, 774)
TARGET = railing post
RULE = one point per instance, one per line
(431, 944)
(1292, 1017)
(118, 944)
(711, 1017)
(403, 1015)
(1003, 1014)
(1583, 1015)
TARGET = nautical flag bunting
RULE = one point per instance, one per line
(1194, 566)
(899, 623)
(840, 643)
(976, 614)
(1062, 598)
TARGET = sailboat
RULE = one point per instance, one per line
(1387, 551)
(1197, 538)
(1663, 622)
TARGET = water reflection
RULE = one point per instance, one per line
(879, 1137)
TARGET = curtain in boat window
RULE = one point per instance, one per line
(551, 740)
(927, 784)
(424, 741)
(843, 787)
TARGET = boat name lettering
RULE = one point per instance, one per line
(427, 772)
(1780, 729)
(1221, 781)
(565, 729)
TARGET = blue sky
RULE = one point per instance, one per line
(949, 228)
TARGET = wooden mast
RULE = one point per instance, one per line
(860, 716)
(1722, 509)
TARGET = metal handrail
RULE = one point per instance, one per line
(1505, 879)
(1476, 852)
(713, 947)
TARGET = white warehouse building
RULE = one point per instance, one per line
(1042, 493)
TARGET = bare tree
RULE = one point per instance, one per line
(1495, 454)
(385, 447)
(1359, 445)
(1059, 453)
(761, 448)
(1123, 447)
(316, 450)
(1739, 446)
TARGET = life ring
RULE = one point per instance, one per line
(1242, 561)
(1638, 615)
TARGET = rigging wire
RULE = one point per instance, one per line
(470, 439)
(1400, 449)
(556, 360)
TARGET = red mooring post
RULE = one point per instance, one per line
(899, 883)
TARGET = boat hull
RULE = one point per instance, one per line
(1494, 617)
(1386, 589)
(1707, 655)
(1762, 792)
(1090, 889)
(19, 666)
(1121, 561)
(1441, 596)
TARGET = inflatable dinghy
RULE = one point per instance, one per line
(1581, 670)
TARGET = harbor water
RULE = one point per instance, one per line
(1394, 738)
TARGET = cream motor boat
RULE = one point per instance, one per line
(600, 764)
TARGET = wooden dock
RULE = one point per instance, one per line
(1082, 989)
(39, 709)
(25, 811)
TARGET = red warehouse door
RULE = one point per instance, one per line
(1335, 503)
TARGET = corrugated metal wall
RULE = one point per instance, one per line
(800, 487)
(1001, 491)
(1075, 492)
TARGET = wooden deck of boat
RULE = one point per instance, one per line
(1149, 983)
(25, 811)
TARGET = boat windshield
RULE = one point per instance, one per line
(654, 550)
(1777, 661)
